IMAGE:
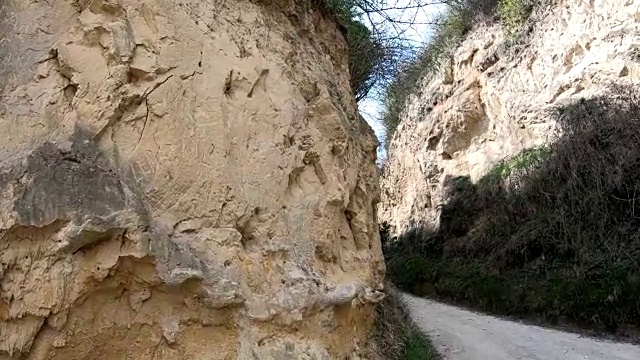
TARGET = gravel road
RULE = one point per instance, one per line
(460, 334)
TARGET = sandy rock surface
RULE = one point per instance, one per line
(182, 180)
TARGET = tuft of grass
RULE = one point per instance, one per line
(551, 234)
(513, 15)
(418, 347)
(395, 336)
(527, 159)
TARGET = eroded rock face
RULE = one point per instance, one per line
(487, 104)
(182, 180)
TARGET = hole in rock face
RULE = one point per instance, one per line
(433, 142)
(446, 156)
(70, 91)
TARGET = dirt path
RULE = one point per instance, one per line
(460, 334)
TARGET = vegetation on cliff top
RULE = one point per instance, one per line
(552, 234)
(366, 51)
(375, 49)
(379, 49)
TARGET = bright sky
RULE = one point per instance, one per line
(418, 32)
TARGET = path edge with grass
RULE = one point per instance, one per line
(395, 336)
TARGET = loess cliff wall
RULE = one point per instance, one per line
(490, 100)
(182, 180)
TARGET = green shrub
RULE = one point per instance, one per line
(514, 14)
(365, 57)
(366, 51)
(559, 240)
(409, 270)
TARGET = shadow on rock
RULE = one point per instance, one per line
(552, 233)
